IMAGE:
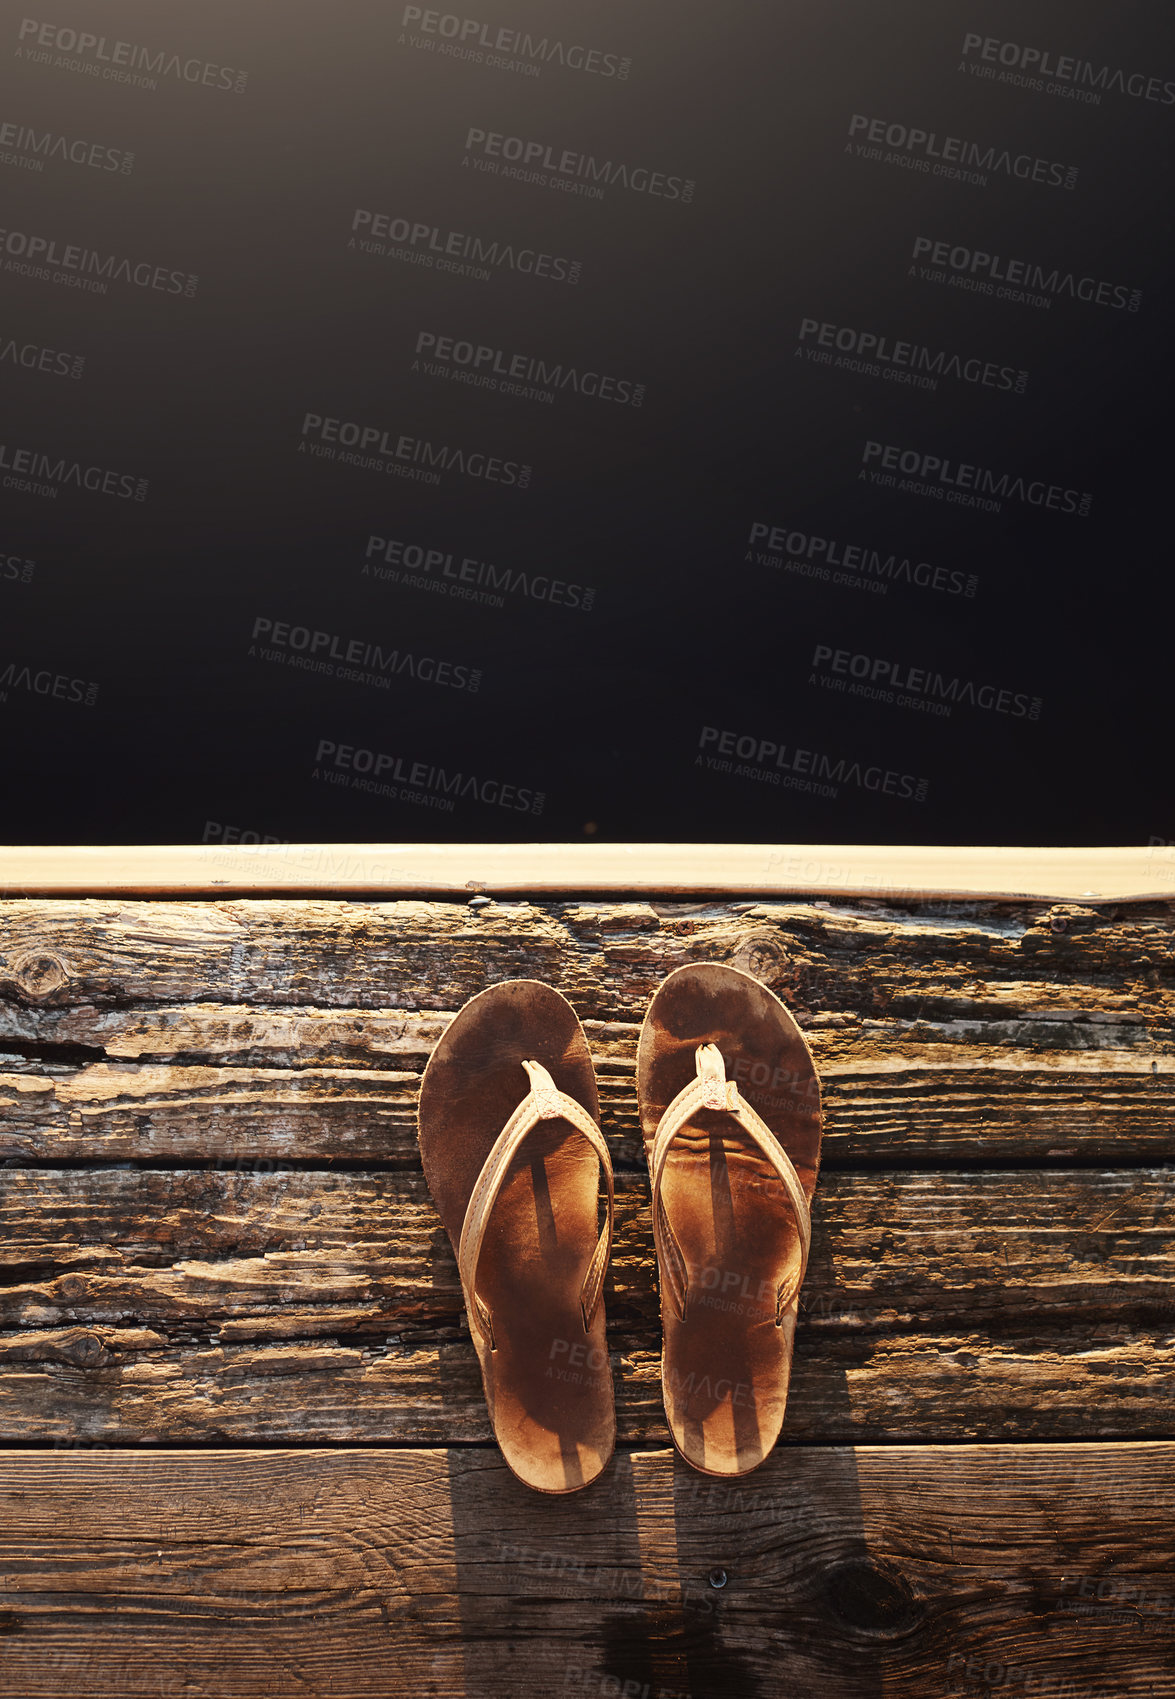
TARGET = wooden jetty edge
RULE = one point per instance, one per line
(243, 1448)
(1129, 874)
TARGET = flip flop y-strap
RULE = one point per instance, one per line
(712, 1090)
(543, 1102)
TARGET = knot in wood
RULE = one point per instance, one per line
(870, 1597)
(762, 955)
(37, 974)
(85, 1349)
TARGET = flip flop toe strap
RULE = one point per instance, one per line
(712, 1090)
(543, 1102)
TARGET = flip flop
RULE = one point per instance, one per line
(512, 1154)
(730, 1110)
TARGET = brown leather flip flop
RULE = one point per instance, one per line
(512, 1153)
(730, 1110)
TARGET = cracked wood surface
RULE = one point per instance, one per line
(978, 959)
(327, 1307)
(939, 1102)
(1042, 1569)
(956, 1032)
(991, 1261)
(234, 1302)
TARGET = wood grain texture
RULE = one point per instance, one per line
(939, 1102)
(184, 1031)
(211, 1305)
(358, 1574)
(979, 961)
(208, 1293)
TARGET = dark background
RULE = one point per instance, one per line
(188, 736)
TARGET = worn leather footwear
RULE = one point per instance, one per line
(512, 1153)
(730, 1111)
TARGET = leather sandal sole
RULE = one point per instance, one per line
(532, 1231)
(735, 1218)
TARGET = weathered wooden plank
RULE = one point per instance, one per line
(1004, 1031)
(243, 1035)
(128, 1387)
(210, 1082)
(994, 963)
(942, 1103)
(1123, 873)
(116, 1111)
(359, 1575)
(254, 1254)
(139, 1305)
